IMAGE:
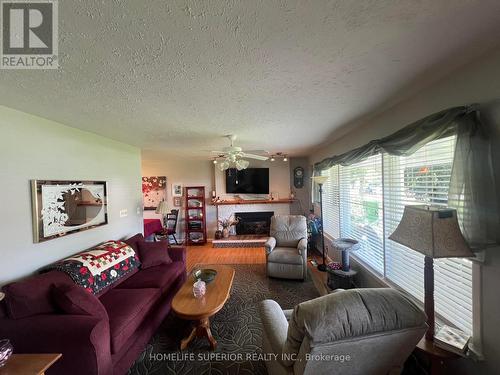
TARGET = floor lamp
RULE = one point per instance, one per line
(163, 210)
(320, 180)
(435, 233)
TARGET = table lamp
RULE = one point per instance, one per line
(434, 232)
(163, 210)
(320, 180)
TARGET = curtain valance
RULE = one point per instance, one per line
(409, 139)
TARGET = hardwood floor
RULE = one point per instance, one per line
(207, 254)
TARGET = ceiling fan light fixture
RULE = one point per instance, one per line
(215, 161)
(285, 158)
(241, 164)
(224, 165)
(272, 158)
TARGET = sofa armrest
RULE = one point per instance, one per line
(83, 340)
(270, 244)
(177, 254)
(302, 247)
(275, 325)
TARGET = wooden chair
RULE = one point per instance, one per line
(170, 222)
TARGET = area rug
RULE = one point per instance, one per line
(237, 329)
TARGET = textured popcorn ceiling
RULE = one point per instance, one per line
(283, 75)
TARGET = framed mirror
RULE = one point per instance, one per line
(64, 207)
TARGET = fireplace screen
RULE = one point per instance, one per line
(253, 222)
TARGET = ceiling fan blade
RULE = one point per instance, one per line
(265, 152)
(253, 156)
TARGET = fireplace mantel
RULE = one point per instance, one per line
(252, 201)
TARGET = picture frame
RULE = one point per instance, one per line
(176, 190)
(177, 201)
(61, 207)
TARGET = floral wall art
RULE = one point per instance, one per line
(154, 190)
(63, 207)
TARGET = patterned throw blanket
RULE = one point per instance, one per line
(99, 267)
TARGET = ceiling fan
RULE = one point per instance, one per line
(235, 155)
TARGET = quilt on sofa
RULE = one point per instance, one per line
(99, 267)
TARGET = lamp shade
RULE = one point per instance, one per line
(432, 231)
(319, 179)
(162, 208)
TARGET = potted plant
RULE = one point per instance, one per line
(226, 224)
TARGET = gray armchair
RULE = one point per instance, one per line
(357, 331)
(286, 249)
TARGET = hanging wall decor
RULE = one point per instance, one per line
(177, 190)
(64, 207)
(154, 190)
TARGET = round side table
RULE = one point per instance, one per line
(340, 279)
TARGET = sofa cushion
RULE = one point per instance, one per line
(153, 254)
(351, 313)
(161, 277)
(127, 309)
(75, 300)
(133, 242)
(32, 295)
(285, 255)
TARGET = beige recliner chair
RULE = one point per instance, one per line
(352, 332)
(286, 249)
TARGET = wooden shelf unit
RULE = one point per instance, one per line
(253, 201)
(195, 203)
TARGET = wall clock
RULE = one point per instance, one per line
(298, 177)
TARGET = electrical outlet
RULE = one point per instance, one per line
(124, 213)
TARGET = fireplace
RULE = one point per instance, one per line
(253, 222)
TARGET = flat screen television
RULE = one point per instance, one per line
(247, 181)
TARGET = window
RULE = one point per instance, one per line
(331, 202)
(361, 209)
(366, 201)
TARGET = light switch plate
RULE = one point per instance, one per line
(124, 213)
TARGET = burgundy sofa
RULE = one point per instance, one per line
(107, 345)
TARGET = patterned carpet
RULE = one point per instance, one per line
(236, 328)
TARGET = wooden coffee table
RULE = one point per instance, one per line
(29, 364)
(186, 306)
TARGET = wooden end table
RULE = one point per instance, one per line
(29, 364)
(436, 356)
(186, 306)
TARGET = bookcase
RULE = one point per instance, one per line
(196, 227)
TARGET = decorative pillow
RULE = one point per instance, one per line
(100, 267)
(75, 300)
(133, 241)
(153, 254)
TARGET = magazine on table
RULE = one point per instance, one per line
(452, 339)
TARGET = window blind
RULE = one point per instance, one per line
(361, 209)
(331, 202)
(423, 178)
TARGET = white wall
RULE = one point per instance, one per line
(188, 172)
(303, 195)
(199, 172)
(35, 148)
(476, 82)
(279, 178)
